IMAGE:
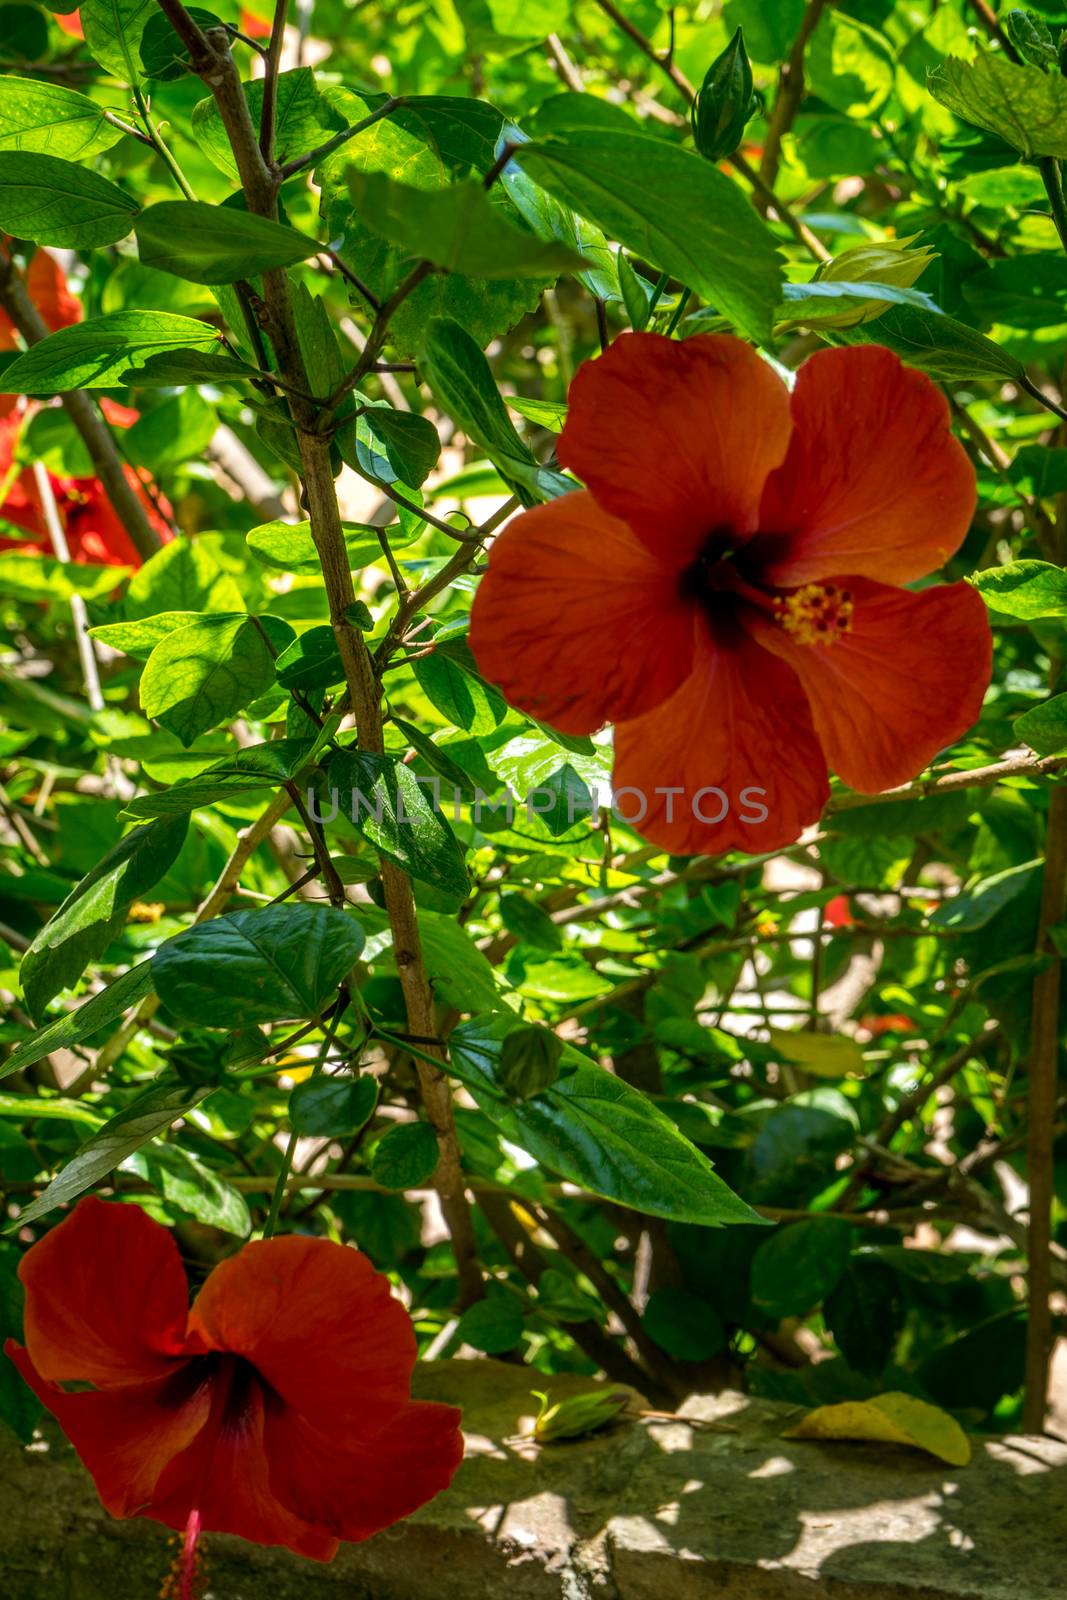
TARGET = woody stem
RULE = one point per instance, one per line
(212, 61)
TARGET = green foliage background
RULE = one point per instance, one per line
(167, 1061)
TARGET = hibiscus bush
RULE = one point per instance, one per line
(531, 807)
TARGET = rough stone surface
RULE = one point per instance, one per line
(652, 1511)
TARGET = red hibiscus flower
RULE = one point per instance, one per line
(277, 1408)
(95, 532)
(726, 590)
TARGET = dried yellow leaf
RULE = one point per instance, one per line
(889, 1419)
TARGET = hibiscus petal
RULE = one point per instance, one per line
(371, 1482)
(677, 437)
(576, 622)
(874, 483)
(126, 1438)
(736, 739)
(106, 1297)
(904, 682)
(279, 1299)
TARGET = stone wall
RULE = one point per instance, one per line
(651, 1511)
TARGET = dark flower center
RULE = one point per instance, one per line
(726, 575)
(233, 1383)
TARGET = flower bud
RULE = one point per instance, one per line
(578, 1414)
(724, 102)
(529, 1061)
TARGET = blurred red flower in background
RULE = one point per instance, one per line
(277, 1408)
(727, 589)
(94, 530)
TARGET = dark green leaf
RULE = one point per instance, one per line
(163, 55)
(596, 1131)
(1045, 727)
(389, 808)
(865, 1313)
(492, 1325)
(975, 907)
(464, 698)
(148, 1114)
(683, 1324)
(19, 1406)
(113, 30)
(260, 766)
(280, 964)
(409, 443)
(796, 1267)
(312, 661)
(406, 1157)
(55, 202)
(101, 353)
(84, 1021)
(458, 228)
(671, 208)
(529, 922)
(95, 912)
(333, 1107)
(216, 244)
(936, 344)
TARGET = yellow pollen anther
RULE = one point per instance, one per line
(817, 613)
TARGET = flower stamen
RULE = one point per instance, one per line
(817, 613)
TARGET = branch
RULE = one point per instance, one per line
(107, 464)
(790, 93)
(947, 783)
(261, 187)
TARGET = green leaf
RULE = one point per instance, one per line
(206, 673)
(976, 907)
(19, 1406)
(260, 766)
(280, 964)
(84, 1021)
(162, 52)
(102, 353)
(460, 377)
(180, 577)
(303, 119)
(797, 1266)
(409, 442)
(849, 65)
(51, 120)
(332, 1107)
(113, 30)
(56, 202)
(936, 344)
(216, 244)
(1027, 589)
(1045, 727)
(596, 1131)
(389, 809)
(492, 1325)
(148, 1114)
(406, 1157)
(184, 1182)
(673, 209)
(865, 1313)
(529, 922)
(683, 1324)
(289, 546)
(312, 661)
(464, 698)
(25, 34)
(1025, 106)
(458, 228)
(95, 913)
(550, 219)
